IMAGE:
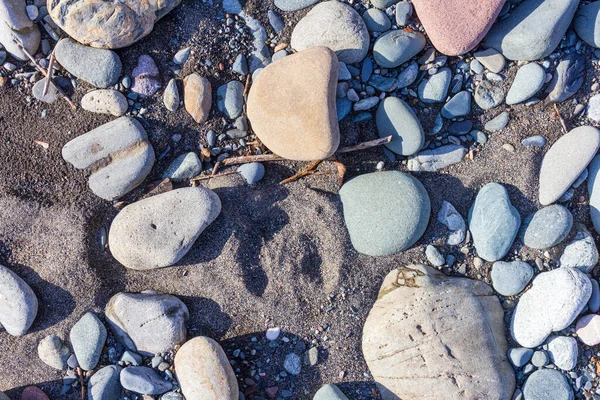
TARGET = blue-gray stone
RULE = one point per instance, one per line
(536, 141)
(458, 105)
(510, 278)
(329, 392)
(581, 253)
(385, 212)
(186, 166)
(232, 6)
(131, 358)
(587, 24)
(181, 56)
(276, 22)
(547, 227)
(230, 99)
(493, 222)
(594, 302)
(376, 20)
(211, 138)
(383, 4)
(567, 79)
(533, 29)
(431, 160)
(144, 380)
(434, 256)
(363, 116)
(178, 396)
(497, 123)
(489, 94)
(404, 11)
(353, 70)
(252, 172)
(105, 384)
(343, 108)
(394, 48)
(383, 84)
(460, 127)
(519, 356)
(529, 80)
(476, 66)
(366, 69)
(343, 72)
(408, 75)
(435, 89)
(293, 5)
(479, 137)
(397, 119)
(88, 336)
(240, 65)
(292, 364)
(539, 358)
(547, 384)
(279, 55)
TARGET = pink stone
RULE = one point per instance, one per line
(33, 393)
(588, 329)
(457, 26)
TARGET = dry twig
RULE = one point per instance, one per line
(205, 177)
(562, 121)
(50, 73)
(308, 171)
(81, 382)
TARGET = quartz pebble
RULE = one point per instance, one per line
(588, 329)
(563, 352)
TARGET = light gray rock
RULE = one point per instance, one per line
(547, 227)
(186, 166)
(587, 24)
(581, 253)
(335, 25)
(53, 352)
(329, 392)
(551, 304)
(376, 20)
(510, 278)
(533, 29)
(408, 75)
(567, 79)
(519, 356)
(117, 154)
(488, 95)
(529, 80)
(563, 352)
(171, 96)
(536, 141)
(98, 67)
(436, 159)
(428, 335)
(497, 123)
(434, 256)
(491, 59)
(252, 172)
(403, 12)
(275, 21)
(18, 303)
(593, 187)
(16, 25)
(87, 337)
(383, 4)
(397, 119)
(435, 89)
(148, 322)
(240, 64)
(547, 384)
(394, 48)
(294, 5)
(144, 380)
(182, 55)
(454, 222)
(158, 231)
(38, 91)
(458, 105)
(230, 99)
(593, 109)
(105, 101)
(565, 161)
(105, 384)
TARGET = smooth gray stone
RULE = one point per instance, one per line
(567, 79)
(186, 166)
(491, 59)
(182, 55)
(88, 336)
(404, 11)
(275, 21)
(581, 253)
(488, 95)
(519, 356)
(335, 25)
(131, 358)
(587, 24)
(158, 231)
(546, 384)
(376, 20)
(16, 25)
(38, 91)
(171, 96)
(397, 119)
(533, 30)
(594, 303)
(343, 73)
(105, 384)
(493, 222)
(458, 105)
(394, 48)
(98, 67)
(383, 84)
(408, 75)
(497, 123)
(529, 80)
(294, 5)
(178, 396)
(383, 4)
(510, 278)
(148, 322)
(547, 227)
(537, 141)
(261, 55)
(230, 99)
(329, 392)
(240, 65)
(435, 159)
(53, 352)
(435, 89)
(434, 256)
(392, 223)
(563, 351)
(252, 172)
(539, 359)
(144, 380)
(18, 303)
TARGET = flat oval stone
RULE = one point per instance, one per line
(497, 123)
(435, 89)
(149, 322)
(547, 384)
(397, 119)
(491, 59)
(493, 222)
(394, 221)
(563, 352)
(88, 336)
(547, 227)
(98, 67)
(197, 97)
(551, 304)
(457, 106)
(186, 166)
(230, 98)
(376, 20)
(171, 96)
(293, 5)
(105, 101)
(105, 384)
(394, 48)
(529, 80)
(588, 329)
(334, 25)
(431, 160)
(510, 278)
(519, 356)
(566, 160)
(18, 303)
(108, 24)
(204, 372)
(38, 91)
(329, 392)
(587, 24)
(144, 380)
(291, 105)
(158, 231)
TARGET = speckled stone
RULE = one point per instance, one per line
(547, 227)
(510, 278)
(88, 336)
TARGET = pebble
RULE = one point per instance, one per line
(186, 166)
(586, 24)
(565, 161)
(273, 333)
(393, 223)
(146, 80)
(547, 227)
(539, 359)
(240, 65)
(132, 358)
(436, 159)
(491, 59)
(547, 384)
(197, 97)
(38, 91)
(144, 380)
(329, 392)
(88, 336)
(182, 55)
(408, 75)
(435, 89)
(476, 66)
(434, 256)
(276, 22)
(105, 384)
(53, 352)
(105, 101)
(594, 303)
(457, 106)
(376, 20)
(588, 329)
(454, 222)
(383, 4)
(488, 95)
(15, 24)
(18, 303)
(230, 99)
(510, 278)
(497, 123)
(563, 352)
(397, 119)
(292, 363)
(551, 304)
(98, 67)
(171, 96)
(535, 141)
(529, 80)
(33, 393)
(347, 35)
(593, 111)
(252, 172)
(567, 79)
(293, 5)
(403, 12)
(581, 253)
(493, 222)
(366, 104)
(519, 356)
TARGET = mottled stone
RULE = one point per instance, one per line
(567, 79)
(171, 96)
(197, 97)
(18, 303)
(105, 101)
(436, 159)
(581, 252)
(146, 80)
(186, 166)
(547, 227)
(53, 352)
(563, 352)
(105, 384)
(545, 384)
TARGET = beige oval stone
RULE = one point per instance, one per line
(291, 105)
(105, 101)
(197, 97)
(203, 371)
(566, 160)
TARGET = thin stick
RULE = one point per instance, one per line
(39, 68)
(366, 145)
(308, 171)
(50, 73)
(562, 121)
(247, 86)
(202, 178)
(81, 382)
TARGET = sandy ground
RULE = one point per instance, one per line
(276, 256)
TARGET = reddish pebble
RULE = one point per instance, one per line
(272, 391)
(588, 329)
(33, 393)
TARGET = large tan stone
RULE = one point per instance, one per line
(291, 105)
(197, 97)
(203, 371)
(430, 336)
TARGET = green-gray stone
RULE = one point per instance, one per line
(547, 227)
(396, 47)
(329, 392)
(385, 212)
(88, 336)
(395, 118)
